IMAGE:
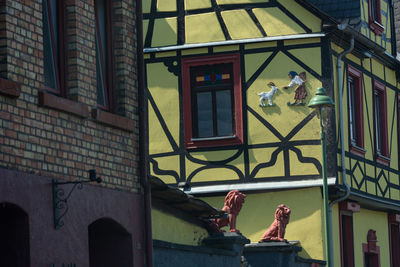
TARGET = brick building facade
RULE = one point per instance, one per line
(396, 9)
(54, 125)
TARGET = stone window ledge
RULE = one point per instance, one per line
(9, 88)
(63, 104)
(113, 120)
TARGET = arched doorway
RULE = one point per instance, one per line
(14, 236)
(110, 245)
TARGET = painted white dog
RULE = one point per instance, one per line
(268, 95)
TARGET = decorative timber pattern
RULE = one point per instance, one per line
(177, 22)
(365, 173)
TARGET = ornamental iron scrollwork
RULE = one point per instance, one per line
(60, 197)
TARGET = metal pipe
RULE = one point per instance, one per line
(343, 159)
(142, 138)
(233, 42)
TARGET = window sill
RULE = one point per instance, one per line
(9, 88)
(376, 27)
(382, 159)
(63, 104)
(357, 151)
(113, 120)
(213, 142)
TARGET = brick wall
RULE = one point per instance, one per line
(50, 141)
(397, 23)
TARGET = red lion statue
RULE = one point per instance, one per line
(276, 231)
(233, 204)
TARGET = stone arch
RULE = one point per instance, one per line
(110, 244)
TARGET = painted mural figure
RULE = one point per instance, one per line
(276, 231)
(300, 93)
(233, 204)
(268, 95)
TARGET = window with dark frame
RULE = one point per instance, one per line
(394, 243)
(54, 42)
(398, 127)
(212, 101)
(380, 124)
(346, 210)
(104, 55)
(375, 17)
(355, 108)
(346, 219)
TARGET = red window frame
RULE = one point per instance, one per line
(375, 20)
(355, 114)
(394, 239)
(372, 254)
(57, 40)
(380, 131)
(346, 210)
(189, 140)
(105, 66)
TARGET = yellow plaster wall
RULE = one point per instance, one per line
(202, 28)
(165, 32)
(363, 221)
(163, 89)
(305, 221)
(240, 25)
(277, 72)
(276, 23)
(197, 4)
(168, 227)
(166, 5)
(306, 17)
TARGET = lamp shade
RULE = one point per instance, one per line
(320, 99)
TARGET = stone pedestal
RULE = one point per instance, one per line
(276, 254)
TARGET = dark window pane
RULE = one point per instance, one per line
(50, 79)
(224, 112)
(347, 241)
(204, 114)
(101, 52)
(352, 111)
(378, 122)
(101, 100)
(374, 10)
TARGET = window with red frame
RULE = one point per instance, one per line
(394, 235)
(54, 46)
(374, 16)
(355, 108)
(380, 124)
(346, 210)
(104, 55)
(346, 219)
(212, 101)
(371, 251)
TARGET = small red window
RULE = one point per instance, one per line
(212, 101)
(380, 124)
(375, 17)
(355, 111)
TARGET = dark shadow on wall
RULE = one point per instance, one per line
(109, 244)
(14, 236)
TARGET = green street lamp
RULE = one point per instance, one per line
(319, 102)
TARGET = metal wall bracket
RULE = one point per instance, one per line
(60, 198)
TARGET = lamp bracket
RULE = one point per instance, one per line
(60, 197)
